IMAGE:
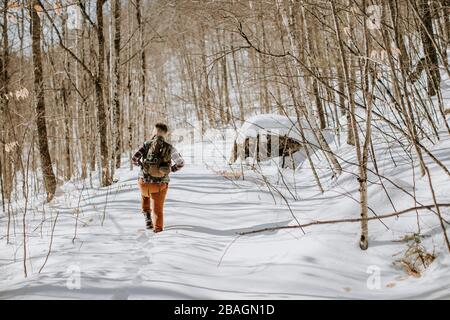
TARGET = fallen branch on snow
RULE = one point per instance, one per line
(389, 215)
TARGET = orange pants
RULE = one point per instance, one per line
(152, 200)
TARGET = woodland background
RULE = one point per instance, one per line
(82, 82)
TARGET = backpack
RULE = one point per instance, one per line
(157, 161)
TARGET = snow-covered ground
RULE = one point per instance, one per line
(100, 249)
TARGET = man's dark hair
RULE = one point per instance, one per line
(162, 126)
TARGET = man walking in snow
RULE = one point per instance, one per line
(155, 158)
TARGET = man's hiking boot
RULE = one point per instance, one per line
(148, 220)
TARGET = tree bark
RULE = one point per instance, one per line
(431, 58)
(99, 84)
(143, 67)
(67, 130)
(46, 162)
(394, 14)
(117, 109)
(363, 243)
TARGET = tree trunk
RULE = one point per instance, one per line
(446, 12)
(238, 81)
(394, 14)
(206, 96)
(431, 58)
(99, 83)
(117, 112)
(368, 99)
(67, 130)
(46, 162)
(363, 243)
(143, 67)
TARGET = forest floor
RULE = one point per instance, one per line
(201, 255)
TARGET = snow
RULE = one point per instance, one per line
(201, 255)
(100, 249)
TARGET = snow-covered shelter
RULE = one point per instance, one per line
(266, 136)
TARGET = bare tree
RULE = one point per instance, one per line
(117, 88)
(46, 162)
(430, 51)
(99, 86)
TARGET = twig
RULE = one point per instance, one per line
(106, 204)
(226, 250)
(389, 215)
(51, 242)
(78, 213)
